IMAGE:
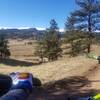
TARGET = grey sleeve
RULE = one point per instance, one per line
(17, 94)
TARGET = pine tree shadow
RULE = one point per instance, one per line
(62, 89)
(14, 62)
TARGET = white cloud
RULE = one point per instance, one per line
(97, 31)
(6, 27)
(23, 28)
(61, 30)
(14, 27)
(40, 28)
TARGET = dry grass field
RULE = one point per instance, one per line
(80, 73)
(22, 59)
(57, 70)
(22, 49)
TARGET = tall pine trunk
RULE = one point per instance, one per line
(89, 48)
(90, 32)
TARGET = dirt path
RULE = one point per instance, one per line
(74, 87)
(94, 77)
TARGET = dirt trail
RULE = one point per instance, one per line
(94, 77)
(74, 87)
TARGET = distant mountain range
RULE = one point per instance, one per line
(31, 33)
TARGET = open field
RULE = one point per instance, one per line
(22, 60)
(22, 49)
(67, 76)
(57, 70)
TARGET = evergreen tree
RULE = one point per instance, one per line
(49, 46)
(52, 42)
(86, 19)
(39, 50)
(4, 50)
(78, 42)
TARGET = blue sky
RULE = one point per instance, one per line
(34, 13)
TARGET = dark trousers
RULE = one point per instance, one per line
(98, 61)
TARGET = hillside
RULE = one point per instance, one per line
(31, 33)
(78, 76)
(57, 70)
(22, 59)
(73, 77)
(73, 87)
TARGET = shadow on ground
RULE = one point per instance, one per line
(73, 87)
(14, 62)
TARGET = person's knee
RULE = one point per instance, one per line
(68, 98)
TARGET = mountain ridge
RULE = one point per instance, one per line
(31, 33)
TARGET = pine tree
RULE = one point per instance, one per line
(4, 50)
(49, 46)
(86, 19)
(52, 42)
(39, 50)
(78, 42)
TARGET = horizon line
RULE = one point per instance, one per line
(38, 28)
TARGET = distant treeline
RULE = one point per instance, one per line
(31, 33)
